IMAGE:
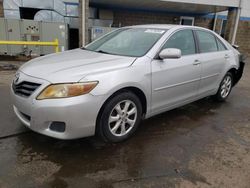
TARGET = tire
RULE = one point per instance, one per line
(120, 117)
(225, 88)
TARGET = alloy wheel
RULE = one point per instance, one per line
(122, 118)
(226, 86)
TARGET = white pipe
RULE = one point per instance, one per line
(215, 21)
(236, 24)
(83, 23)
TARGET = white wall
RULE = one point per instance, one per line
(71, 1)
(245, 12)
(245, 9)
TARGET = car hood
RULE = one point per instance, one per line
(73, 65)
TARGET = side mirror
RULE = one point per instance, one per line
(236, 46)
(170, 53)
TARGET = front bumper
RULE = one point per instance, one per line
(78, 113)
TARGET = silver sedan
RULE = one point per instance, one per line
(130, 74)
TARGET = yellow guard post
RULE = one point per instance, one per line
(35, 43)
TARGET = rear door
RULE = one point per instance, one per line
(214, 55)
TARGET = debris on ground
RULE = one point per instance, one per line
(8, 67)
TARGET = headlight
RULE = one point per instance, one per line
(66, 90)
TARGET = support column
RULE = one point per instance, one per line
(232, 24)
(83, 19)
(1, 8)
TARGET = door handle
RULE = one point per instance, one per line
(196, 62)
(227, 56)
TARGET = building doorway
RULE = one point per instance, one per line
(187, 20)
(223, 28)
(73, 38)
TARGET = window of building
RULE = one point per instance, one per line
(93, 13)
(223, 28)
(207, 42)
(183, 40)
(72, 9)
(187, 20)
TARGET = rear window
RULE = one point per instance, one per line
(221, 46)
(207, 42)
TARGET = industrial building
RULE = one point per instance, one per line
(86, 20)
(230, 18)
(35, 20)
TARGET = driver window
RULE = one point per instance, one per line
(183, 40)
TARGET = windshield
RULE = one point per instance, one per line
(134, 42)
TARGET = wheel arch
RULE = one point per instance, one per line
(135, 90)
(237, 73)
(233, 71)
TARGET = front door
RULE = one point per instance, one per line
(176, 81)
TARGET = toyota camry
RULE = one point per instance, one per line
(133, 73)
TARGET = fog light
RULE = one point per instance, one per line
(57, 126)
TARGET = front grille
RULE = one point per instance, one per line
(25, 88)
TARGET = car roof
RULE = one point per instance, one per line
(163, 26)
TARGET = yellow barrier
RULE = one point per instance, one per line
(54, 43)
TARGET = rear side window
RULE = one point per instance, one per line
(221, 46)
(207, 42)
(183, 40)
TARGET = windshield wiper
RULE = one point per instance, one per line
(100, 51)
(103, 52)
(83, 48)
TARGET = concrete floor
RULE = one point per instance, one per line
(204, 144)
